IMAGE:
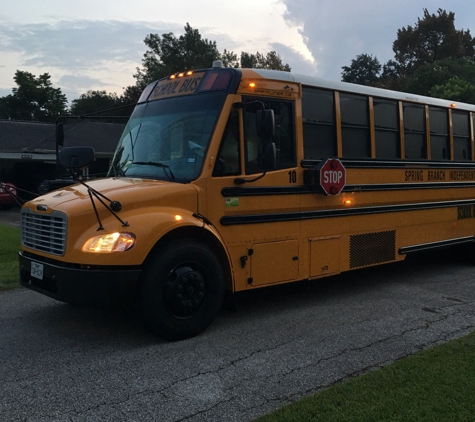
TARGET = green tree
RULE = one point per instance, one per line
(422, 54)
(455, 89)
(105, 106)
(229, 59)
(131, 95)
(433, 38)
(271, 60)
(390, 77)
(93, 101)
(364, 70)
(34, 98)
(449, 79)
(168, 54)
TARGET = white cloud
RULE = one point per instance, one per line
(103, 54)
(79, 55)
(78, 44)
(295, 59)
(99, 45)
(336, 31)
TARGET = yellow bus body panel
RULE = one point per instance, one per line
(149, 207)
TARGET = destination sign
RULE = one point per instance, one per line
(178, 86)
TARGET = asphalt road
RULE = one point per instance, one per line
(66, 363)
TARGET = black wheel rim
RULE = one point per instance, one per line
(185, 290)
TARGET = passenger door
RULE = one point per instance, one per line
(253, 211)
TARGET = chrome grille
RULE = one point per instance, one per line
(44, 232)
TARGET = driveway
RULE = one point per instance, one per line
(67, 363)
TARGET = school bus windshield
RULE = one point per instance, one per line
(168, 139)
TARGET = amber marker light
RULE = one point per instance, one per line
(189, 73)
(252, 85)
(181, 74)
(172, 76)
(453, 105)
(347, 202)
(178, 217)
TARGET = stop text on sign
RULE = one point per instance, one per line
(331, 176)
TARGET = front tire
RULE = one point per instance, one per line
(182, 289)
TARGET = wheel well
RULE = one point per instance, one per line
(207, 238)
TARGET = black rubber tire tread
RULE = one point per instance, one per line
(156, 314)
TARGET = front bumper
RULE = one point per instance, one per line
(101, 285)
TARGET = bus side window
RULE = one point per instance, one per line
(228, 161)
(439, 133)
(318, 117)
(355, 137)
(461, 129)
(386, 128)
(414, 131)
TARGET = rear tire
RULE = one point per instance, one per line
(182, 290)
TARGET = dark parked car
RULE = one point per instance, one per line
(7, 195)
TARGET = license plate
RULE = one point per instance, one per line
(37, 270)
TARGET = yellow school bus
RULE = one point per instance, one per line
(227, 180)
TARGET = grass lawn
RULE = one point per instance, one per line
(9, 247)
(433, 385)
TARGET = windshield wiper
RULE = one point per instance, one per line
(166, 168)
(118, 172)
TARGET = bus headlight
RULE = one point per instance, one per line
(112, 242)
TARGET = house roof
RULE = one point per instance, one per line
(22, 136)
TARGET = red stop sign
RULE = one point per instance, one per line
(332, 176)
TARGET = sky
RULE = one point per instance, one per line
(98, 44)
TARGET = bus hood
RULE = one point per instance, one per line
(130, 193)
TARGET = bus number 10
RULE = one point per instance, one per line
(292, 176)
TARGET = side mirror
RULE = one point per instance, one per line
(76, 158)
(267, 156)
(59, 134)
(265, 121)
